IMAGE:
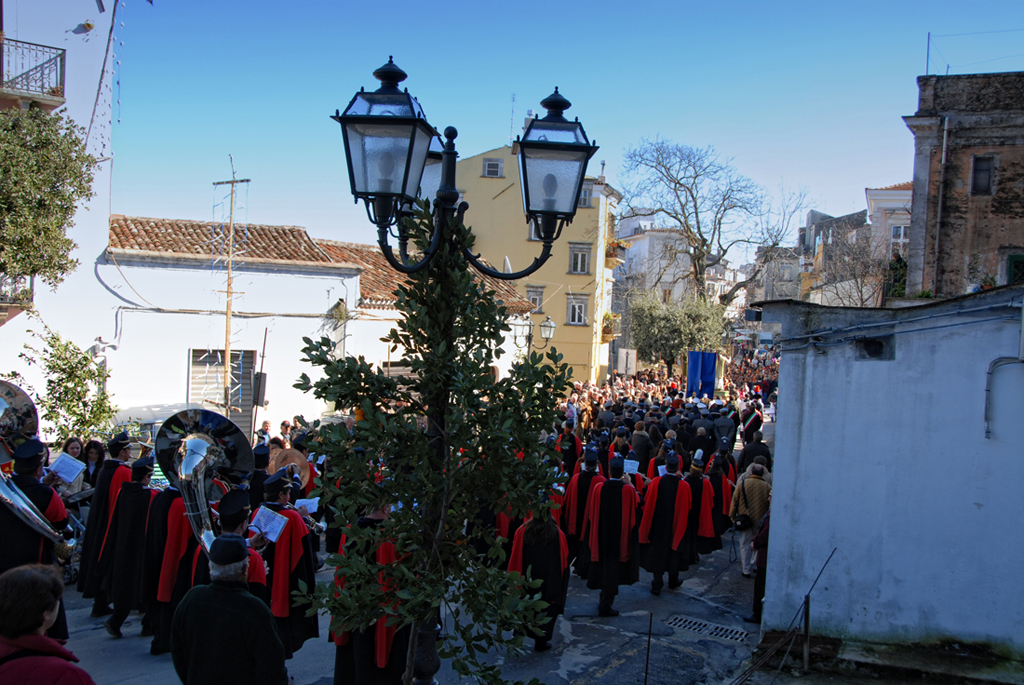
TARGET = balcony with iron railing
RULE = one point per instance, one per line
(31, 74)
(16, 295)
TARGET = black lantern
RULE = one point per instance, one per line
(553, 155)
(393, 155)
(386, 143)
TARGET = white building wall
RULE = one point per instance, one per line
(887, 462)
(154, 334)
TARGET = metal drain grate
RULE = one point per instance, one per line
(710, 629)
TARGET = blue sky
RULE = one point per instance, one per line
(805, 93)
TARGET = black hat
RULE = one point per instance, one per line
(32, 450)
(569, 423)
(550, 442)
(277, 483)
(672, 461)
(590, 454)
(228, 548)
(670, 443)
(233, 509)
(615, 465)
(621, 432)
(144, 463)
(261, 454)
(299, 443)
(723, 444)
(118, 443)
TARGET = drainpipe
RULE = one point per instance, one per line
(938, 212)
(996, 363)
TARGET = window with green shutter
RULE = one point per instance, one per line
(1015, 269)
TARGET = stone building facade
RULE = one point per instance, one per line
(967, 222)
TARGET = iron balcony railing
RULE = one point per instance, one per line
(31, 68)
(16, 289)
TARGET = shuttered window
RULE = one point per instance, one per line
(206, 384)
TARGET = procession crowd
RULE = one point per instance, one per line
(652, 479)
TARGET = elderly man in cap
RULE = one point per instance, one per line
(233, 515)
(122, 556)
(22, 544)
(221, 633)
(113, 474)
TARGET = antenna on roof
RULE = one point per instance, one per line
(229, 291)
(512, 122)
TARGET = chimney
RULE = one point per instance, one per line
(600, 179)
(529, 118)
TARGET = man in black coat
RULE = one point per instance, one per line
(122, 558)
(113, 473)
(752, 449)
(610, 540)
(20, 543)
(666, 510)
(221, 633)
(261, 460)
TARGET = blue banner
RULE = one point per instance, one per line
(700, 373)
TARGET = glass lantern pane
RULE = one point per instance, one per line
(553, 178)
(431, 179)
(384, 104)
(420, 146)
(378, 152)
(556, 132)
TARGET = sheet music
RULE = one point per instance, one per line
(662, 470)
(268, 522)
(311, 504)
(630, 466)
(67, 468)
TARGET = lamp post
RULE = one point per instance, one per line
(387, 146)
(392, 153)
(522, 330)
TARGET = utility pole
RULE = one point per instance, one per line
(229, 292)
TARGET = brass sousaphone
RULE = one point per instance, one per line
(18, 423)
(191, 447)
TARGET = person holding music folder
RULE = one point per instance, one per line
(289, 560)
(20, 543)
(113, 473)
(220, 632)
(234, 514)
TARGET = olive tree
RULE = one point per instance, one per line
(45, 173)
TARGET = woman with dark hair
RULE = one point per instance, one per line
(541, 550)
(94, 453)
(29, 604)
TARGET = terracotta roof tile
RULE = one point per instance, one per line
(907, 185)
(196, 238)
(378, 281)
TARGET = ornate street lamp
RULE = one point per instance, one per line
(387, 141)
(388, 146)
(522, 331)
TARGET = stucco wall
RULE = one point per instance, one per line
(887, 461)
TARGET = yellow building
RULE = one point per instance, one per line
(574, 287)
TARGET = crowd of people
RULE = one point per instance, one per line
(652, 480)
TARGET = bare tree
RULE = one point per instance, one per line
(708, 206)
(853, 268)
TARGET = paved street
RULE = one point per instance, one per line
(586, 649)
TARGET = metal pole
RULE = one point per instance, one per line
(227, 306)
(928, 55)
(807, 633)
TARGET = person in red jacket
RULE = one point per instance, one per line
(29, 603)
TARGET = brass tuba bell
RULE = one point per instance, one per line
(18, 423)
(191, 447)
